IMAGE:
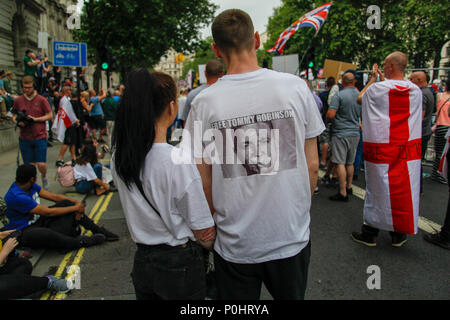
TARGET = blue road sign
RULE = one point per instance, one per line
(69, 54)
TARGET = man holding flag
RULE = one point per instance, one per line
(65, 126)
(392, 135)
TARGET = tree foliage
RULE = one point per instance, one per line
(418, 28)
(140, 32)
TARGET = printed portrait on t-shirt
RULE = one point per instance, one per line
(264, 145)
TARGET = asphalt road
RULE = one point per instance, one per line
(338, 268)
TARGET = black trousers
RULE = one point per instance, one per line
(286, 279)
(58, 232)
(16, 280)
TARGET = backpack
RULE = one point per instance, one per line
(65, 175)
(3, 218)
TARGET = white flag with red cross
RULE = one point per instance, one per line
(392, 140)
(65, 118)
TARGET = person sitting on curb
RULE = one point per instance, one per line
(57, 227)
(88, 172)
(16, 280)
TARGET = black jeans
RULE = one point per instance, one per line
(16, 280)
(286, 279)
(58, 232)
(169, 273)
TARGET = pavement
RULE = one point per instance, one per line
(340, 269)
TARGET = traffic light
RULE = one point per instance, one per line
(310, 58)
(103, 57)
(107, 60)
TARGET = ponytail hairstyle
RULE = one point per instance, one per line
(144, 100)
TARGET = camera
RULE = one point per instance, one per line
(22, 117)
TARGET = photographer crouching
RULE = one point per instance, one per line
(31, 111)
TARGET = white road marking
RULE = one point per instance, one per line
(424, 223)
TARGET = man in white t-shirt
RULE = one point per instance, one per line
(259, 130)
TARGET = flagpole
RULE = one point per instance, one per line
(306, 51)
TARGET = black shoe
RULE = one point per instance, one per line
(49, 145)
(101, 141)
(316, 190)
(339, 197)
(96, 239)
(108, 235)
(439, 179)
(59, 163)
(364, 238)
(333, 183)
(399, 240)
(325, 180)
(437, 239)
(349, 192)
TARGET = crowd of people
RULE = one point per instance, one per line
(245, 193)
(169, 193)
(80, 121)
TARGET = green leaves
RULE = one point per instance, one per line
(418, 28)
(139, 32)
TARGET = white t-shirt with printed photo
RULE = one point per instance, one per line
(260, 120)
(176, 191)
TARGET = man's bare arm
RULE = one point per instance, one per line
(331, 113)
(205, 171)
(375, 73)
(52, 212)
(312, 160)
(45, 194)
(46, 117)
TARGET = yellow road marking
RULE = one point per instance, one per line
(79, 256)
(424, 224)
(66, 259)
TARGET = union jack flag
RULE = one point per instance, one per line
(313, 19)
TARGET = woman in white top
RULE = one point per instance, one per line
(163, 202)
(88, 172)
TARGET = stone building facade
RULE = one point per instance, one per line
(20, 23)
(168, 65)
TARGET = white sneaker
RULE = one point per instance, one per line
(45, 183)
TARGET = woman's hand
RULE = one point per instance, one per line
(4, 234)
(9, 246)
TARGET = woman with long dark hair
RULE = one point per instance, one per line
(164, 204)
(88, 171)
